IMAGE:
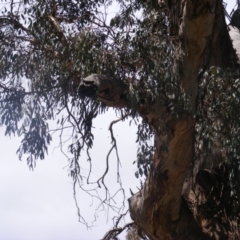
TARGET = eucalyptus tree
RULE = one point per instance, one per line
(170, 63)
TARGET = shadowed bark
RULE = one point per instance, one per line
(157, 206)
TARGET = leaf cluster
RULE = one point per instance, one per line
(47, 47)
(217, 129)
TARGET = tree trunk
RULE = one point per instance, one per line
(159, 208)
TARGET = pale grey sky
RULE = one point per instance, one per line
(39, 205)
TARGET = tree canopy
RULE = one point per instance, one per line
(168, 65)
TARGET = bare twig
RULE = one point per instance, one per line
(112, 234)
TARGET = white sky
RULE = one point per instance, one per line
(39, 205)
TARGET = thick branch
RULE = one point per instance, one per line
(114, 93)
(195, 32)
(108, 90)
(58, 29)
(159, 202)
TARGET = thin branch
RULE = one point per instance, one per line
(112, 234)
(80, 217)
(120, 217)
(58, 29)
(16, 24)
(114, 145)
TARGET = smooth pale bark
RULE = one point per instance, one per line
(235, 36)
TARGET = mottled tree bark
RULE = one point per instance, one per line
(157, 208)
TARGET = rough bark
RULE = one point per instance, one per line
(157, 207)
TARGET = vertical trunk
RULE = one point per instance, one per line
(158, 208)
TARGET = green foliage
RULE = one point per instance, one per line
(218, 120)
(47, 47)
(41, 67)
(217, 129)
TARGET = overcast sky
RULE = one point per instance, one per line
(39, 204)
